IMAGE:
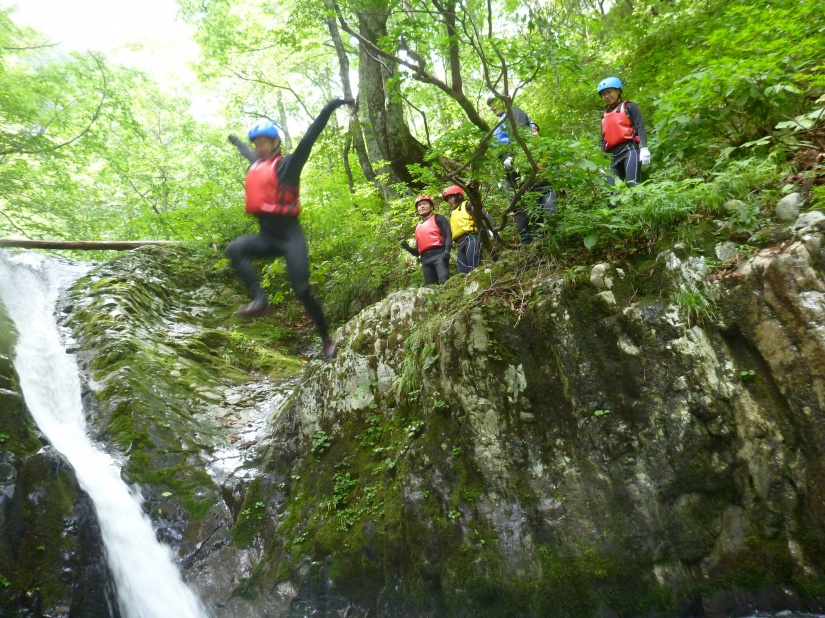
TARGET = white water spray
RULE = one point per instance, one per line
(148, 583)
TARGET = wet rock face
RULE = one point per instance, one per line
(52, 560)
(582, 458)
(180, 391)
(574, 449)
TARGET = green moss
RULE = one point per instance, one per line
(181, 479)
(579, 585)
(43, 547)
(253, 511)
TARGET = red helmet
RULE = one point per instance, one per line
(424, 198)
(454, 190)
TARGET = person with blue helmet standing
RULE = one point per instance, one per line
(272, 196)
(624, 136)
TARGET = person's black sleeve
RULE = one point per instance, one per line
(444, 226)
(521, 118)
(411, 250)
(289, 168)
(245, 150)
(635, 115)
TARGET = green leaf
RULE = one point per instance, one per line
(166, 494)
(590, 241)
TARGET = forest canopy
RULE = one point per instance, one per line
(733, 95)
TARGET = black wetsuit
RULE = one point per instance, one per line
(624, 158)
(435, 262)
(502, 137)
(281, 235)
(528, 223)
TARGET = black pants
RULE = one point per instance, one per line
(468, 253)
(435, 268)
(280, 236)
(625, 164)
(527, 223)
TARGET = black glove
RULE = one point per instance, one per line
(235, 139)
(347, 101)
(405, 245)
(445, 256)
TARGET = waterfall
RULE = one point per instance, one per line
(149, 584)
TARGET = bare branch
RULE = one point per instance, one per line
(419, 72)
(28, 47)
(423, 116)
(143, 196)
(14, 225)
(265, 82)
(482, 149)
(83, 132)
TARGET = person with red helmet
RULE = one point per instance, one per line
(464, 229)
(624, 136)
(272, 188)
(433, 241)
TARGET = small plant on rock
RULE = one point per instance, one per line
(694, 306)
(320, 442)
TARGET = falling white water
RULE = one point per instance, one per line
(148, 582)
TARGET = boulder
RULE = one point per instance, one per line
(787, 209)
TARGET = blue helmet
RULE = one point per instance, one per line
(610, 82)
(265, 128)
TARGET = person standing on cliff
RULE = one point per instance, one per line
(624, 136)
(463, 229)
(272, 188)
(433, 240)
(502, 135)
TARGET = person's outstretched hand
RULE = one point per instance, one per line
(234, 139)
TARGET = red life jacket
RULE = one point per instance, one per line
(266, 194)
(617, 128)
(427, 235)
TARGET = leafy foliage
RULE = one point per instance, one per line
(729, 90)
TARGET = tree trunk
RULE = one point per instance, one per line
(356, 134)
(383, 101)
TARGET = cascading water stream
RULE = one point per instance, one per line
(148, 582)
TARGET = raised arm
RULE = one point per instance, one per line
(245, 150)
(289, 169)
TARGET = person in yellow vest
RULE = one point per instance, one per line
(433, 241)
(464, 229)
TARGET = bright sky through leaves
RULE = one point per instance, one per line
(143, 34)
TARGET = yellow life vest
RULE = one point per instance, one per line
(461, 221)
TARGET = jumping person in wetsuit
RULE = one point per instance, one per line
(624, 136)
(272, 188)
(463, 228)
(433, 241)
